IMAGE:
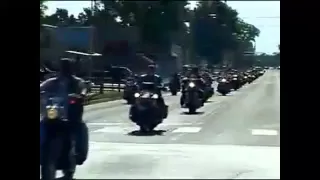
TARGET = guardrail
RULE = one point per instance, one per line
(107, 87)
(110, 85)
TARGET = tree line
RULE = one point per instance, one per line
(208, 31)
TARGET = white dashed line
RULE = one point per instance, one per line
(110, 130)
(264, 132)
(105, 124)
(164, 124)
(187, 130)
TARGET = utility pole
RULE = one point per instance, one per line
(91, 46)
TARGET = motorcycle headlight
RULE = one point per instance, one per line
(155, 96)
(52, 113)
(245, 77)
(192, 85)
(136, 95)
(234, 79)
(223, 80)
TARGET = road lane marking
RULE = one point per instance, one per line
(187, 130)
(110, 130)
(123, 127)
(121, 124)
(115, 129)
(264, 132)
(105, 124)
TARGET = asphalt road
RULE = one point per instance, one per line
(237, 136)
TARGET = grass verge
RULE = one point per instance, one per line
(105, 97)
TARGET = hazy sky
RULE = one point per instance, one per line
(265, 15)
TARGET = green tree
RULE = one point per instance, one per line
(60, 17)
(43, 8)
(155, 19)
(218, 28)
(85, 18)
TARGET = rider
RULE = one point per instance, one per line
(196, 77)
(175, 80)
(152, 77)
(185, 71)
(64, 84)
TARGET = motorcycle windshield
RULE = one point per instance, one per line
(150, 86)
(54, 100)
(130, 83)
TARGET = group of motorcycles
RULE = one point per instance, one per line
(234, 80)
(65, 149)
(146, 112)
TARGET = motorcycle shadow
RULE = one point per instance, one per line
(188, 113)
(151, 133)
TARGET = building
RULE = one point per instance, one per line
(118, 45)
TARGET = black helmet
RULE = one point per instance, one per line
(195, 69)
(152, 66)
(66, 66)
(186, 66)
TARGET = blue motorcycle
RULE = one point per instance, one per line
(63, 135)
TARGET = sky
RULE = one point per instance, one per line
(265, 15)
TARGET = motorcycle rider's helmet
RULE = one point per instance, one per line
(185, 68)
(66, 66)
(152, 68)
(195, 69)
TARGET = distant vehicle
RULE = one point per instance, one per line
(114, 74)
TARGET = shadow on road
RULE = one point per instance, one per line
(187, 113)
(152, 133)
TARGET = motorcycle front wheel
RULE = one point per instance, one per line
(174, 93)
(50, 155)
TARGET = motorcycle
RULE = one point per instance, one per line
(60, 145)
(209, 90)
(244, 80)
(235, 82)
(223, 87)
(174, 87)
(130, 89)
(261, 73)
(192, 100)
(146, 112)
(251, 78)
